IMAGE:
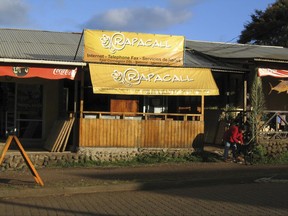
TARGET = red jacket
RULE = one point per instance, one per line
(240, 137)
(233, 135)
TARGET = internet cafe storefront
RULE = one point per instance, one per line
(140, 95)
(32, 99)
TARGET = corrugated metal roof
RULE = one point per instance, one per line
(193, 58)
(230, 50)
(40, 45)
(62, 46)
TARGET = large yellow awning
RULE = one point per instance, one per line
(142, 80)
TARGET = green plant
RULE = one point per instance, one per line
(161, 157)
(278, 159)
(283, 158)
(145, 159)
(260, 154)
(258, 106)
(262, 157)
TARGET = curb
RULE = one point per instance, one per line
(41, 192)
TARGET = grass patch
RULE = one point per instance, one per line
(144, 159)
(260, 157)
(279, 159)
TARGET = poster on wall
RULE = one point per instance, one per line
(133, 48)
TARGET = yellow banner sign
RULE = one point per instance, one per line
(133, 48)
(142, 80)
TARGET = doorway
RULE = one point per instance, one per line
(21, 110)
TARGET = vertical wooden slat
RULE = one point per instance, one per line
(120, 128)
(163, 133)
(89, 132)
(105, 132)
(170, 137)
(131, 134)
(125, 133)
(122, 132)
(184, 134)
(95, 133)
(145, 134)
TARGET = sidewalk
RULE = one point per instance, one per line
(66, 181)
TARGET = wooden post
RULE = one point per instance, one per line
(202, 107)
(75, 109)
(81, 106)
(82, 93)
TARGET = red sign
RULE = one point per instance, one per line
(30, 72)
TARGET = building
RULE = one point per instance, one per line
(38, 108)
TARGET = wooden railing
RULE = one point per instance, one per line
(142, 116)
(276, 127)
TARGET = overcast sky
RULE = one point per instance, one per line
(205, 20)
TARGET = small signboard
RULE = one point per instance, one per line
(24, 155)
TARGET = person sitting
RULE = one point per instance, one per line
(231, 137)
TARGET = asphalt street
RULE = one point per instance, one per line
(240, 199)
(166, 189)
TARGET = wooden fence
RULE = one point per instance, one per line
(141, 132)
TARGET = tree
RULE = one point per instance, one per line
(269, 27)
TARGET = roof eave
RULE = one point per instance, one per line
(48, 62)
(271, 60)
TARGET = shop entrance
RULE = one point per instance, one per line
(21, 110)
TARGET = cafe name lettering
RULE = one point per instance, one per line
(131, 77)
(118, 42)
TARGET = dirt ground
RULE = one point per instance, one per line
(196, 172)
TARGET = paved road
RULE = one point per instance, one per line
(185, 189)
(232, 199)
